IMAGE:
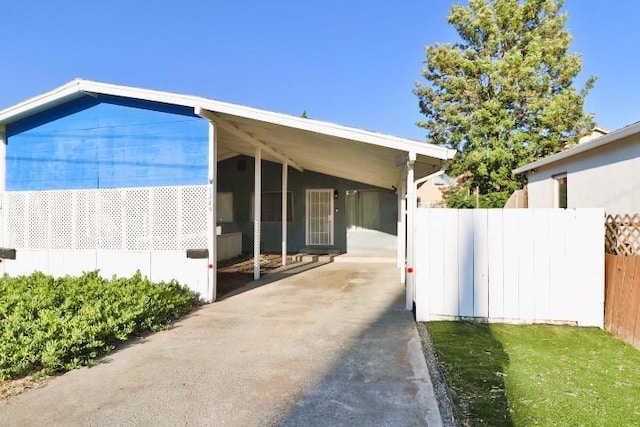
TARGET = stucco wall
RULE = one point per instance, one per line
(430, 195)
(232, 177)
(607, 177)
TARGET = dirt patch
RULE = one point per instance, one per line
(237, 272)
(11, 388)
(244, 264)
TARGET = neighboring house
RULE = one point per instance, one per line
(431, 193)
(517, 200)
(109, 177)
(601, 172)
(596, 132)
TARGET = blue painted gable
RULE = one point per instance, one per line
(107, 142)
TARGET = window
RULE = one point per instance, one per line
(272, 207)
(224, 207)
(560, 183)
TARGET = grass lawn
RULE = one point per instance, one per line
(522, 375)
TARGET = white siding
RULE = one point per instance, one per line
(156, 265)
(607, 177)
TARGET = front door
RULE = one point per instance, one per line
(319, 221)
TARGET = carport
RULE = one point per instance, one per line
(304, 144)
(295, 143)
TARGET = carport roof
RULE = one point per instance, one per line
(306, 144)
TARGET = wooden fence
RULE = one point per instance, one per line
(622, 234)
(510, 265)
(622, 278)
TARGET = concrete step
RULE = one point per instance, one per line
(319, 251)
(306, 258)
(326, 258)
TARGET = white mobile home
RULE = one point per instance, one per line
(115, 178)
(601, 172)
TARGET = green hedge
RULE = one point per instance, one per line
(55, 324)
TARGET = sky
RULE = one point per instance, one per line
(351, 62)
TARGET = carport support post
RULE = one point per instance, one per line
(411, 207)
(285, 175)
(402, 228)
(212, 231)
(257, 210)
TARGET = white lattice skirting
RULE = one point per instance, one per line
(150, 218)
(117, 231)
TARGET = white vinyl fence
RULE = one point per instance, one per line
(116, 231)
(510, 265)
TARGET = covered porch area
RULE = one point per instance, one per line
(314, 187)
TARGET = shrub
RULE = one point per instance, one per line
(55, 324)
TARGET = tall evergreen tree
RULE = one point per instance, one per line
(503, 96)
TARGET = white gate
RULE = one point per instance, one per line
(319, 224)
(510, 265)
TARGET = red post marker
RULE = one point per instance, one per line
(1, 260)
(211, 266)
(410, 270)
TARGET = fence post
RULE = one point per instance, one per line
(411, 208)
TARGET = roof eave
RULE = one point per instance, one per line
(79, 87)
(328, 128)
(301, 123)
(41, 102)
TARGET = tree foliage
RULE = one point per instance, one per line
(503, 96)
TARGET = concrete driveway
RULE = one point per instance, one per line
(330, 346)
